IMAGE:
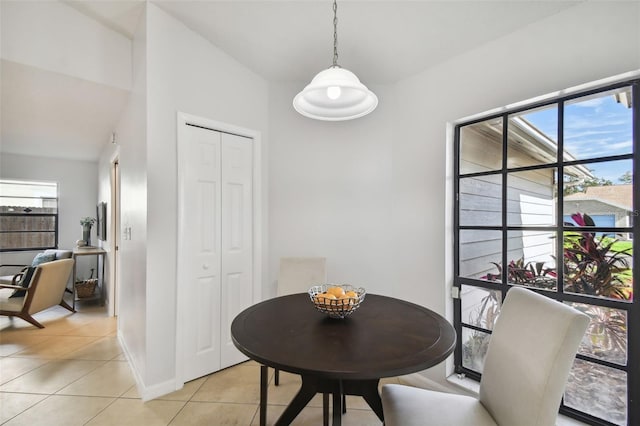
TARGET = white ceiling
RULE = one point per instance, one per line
(381, 41)
(54, 115)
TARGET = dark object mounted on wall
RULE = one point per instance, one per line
(101, 225)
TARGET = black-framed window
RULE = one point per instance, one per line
(551, 191)
(28, 215)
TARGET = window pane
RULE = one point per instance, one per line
(597, 390)
(598, 125)
(474, 349)
(481, 146)
(27, 223)
(532, 259)
(603, 187)
(17, 188)
(28, 214)
(598, 265)
(606, 337)
(480, 306)
(25, 240)
(531, 197)
(480, 253)
(480, 201)
(533, 137)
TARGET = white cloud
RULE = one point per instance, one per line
(575, 122)
(574, 135)
(591, 103)
(621, 145)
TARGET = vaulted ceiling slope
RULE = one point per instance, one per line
(55, 112)
(385, 41)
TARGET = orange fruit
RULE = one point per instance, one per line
(351, 294)
(324, 298)
(336, 291)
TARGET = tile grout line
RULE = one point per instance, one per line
(62, 358)
(178, 412)
(29, 407)
(47, 361)
(81, 377)
(101, 411)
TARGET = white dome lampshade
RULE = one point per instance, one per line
(335, 94)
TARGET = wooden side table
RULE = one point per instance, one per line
(89, 251)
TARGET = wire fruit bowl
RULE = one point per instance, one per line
(337, 300)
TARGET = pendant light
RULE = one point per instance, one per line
(335, 94)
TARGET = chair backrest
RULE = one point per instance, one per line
(531, 351)
(60, 254)
(48, 284)
(297, 274)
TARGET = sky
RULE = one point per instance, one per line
(593, 127)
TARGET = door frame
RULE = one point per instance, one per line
(114, 235)
(184, 119)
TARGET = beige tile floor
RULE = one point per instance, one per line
(73, 372)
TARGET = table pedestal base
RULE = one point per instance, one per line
(311, 385)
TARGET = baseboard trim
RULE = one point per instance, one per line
(147, 393)
(156, 391)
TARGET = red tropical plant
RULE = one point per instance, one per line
(591, 266)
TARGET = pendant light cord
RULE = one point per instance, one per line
(335, 34)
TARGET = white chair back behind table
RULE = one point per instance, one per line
(298, 274)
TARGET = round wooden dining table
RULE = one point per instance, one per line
(384, 337)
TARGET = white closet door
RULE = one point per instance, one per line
(237, 237)
(201, 226)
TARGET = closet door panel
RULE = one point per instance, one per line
(237, 237)
(201, 227)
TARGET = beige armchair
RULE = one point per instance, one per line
(51, 254)
(44, 289)
(530, 354)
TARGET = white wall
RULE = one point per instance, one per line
(132, 148)
(184, 73)
(330, 191)
(374, 195)
(370, 194)
(582, 44)
(77, 195)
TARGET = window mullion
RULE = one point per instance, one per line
(505, 192)
(633, 338)
(560, 203)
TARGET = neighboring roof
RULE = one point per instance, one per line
(616, 195)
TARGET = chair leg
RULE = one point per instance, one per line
(66, 305)
(276, 377)
(28, 318)
(344, 403)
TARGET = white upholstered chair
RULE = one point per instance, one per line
(531, 351)
(44, 289)
(297, 275)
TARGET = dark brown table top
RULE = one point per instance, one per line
(385, 337)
